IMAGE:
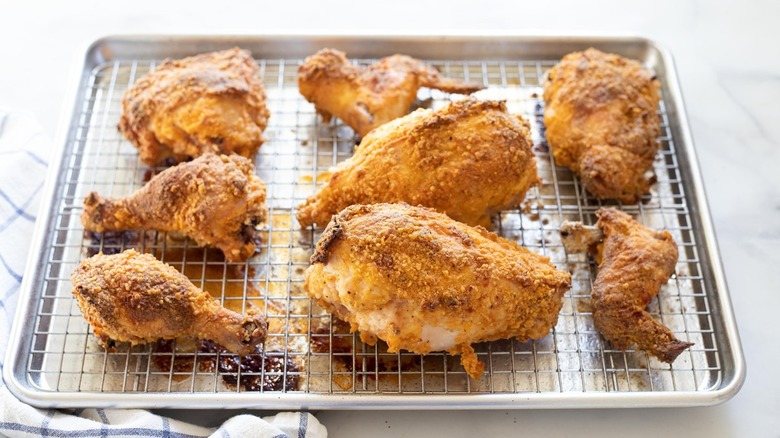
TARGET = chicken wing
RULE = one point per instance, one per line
(469, 160)
(634, 262)
(367, 97)
(213, 102)
(215, 199)
(135, 298)
(601, 122)
(423, 282)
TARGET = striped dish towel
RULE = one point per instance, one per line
(24, 151)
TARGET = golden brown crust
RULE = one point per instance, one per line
(601, 122)
(213, 102)
(428, 270)
(135, 298)
(469, 160)
(635, 262)
(367, 97)
(332, 232)
(215, 199)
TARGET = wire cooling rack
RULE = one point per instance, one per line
(307, 351)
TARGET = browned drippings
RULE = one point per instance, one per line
(261, 371)
(182, 364)
(321, 343)
(542, 147)
(110, 242)
(207, 268)
(323, 176)
(584, 306)
(384, 365)
(380, 366)
(282, 234)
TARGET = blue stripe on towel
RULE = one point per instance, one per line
(65, 433)
(11, 272)
(303, 425)
(18, 210)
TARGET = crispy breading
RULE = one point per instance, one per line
(215, 199)
(423, 282)
(634, 262)
(469, 159)
(601, 122)
(135, 298)
(213, 102)
(370, 96)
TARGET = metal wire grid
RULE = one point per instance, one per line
(310, 347)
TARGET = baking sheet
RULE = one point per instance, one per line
(310, 360)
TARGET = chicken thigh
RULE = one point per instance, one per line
(135, 298)
(423, 282)
(215, 199)
(213, 102)
(601, 122)
(468, 159)
(367, 97)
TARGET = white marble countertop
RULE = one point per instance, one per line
(729, 71)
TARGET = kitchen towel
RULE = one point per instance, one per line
(24, 151)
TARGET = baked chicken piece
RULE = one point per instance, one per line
(468, 159)
(135, 298)
(215, 199)
(213, 102)
(423, 282)
(634, 262)
(367, 97)
(601, 122)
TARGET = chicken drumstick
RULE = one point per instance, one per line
(215, 199)
(133, 297)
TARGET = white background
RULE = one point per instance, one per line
(729, 67)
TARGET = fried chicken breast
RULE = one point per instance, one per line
(213, 102)
(367, 97)
(635, 261)
(135, 298)
(215, 199)
(423, 282)
(601, 122)
(468, 159)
